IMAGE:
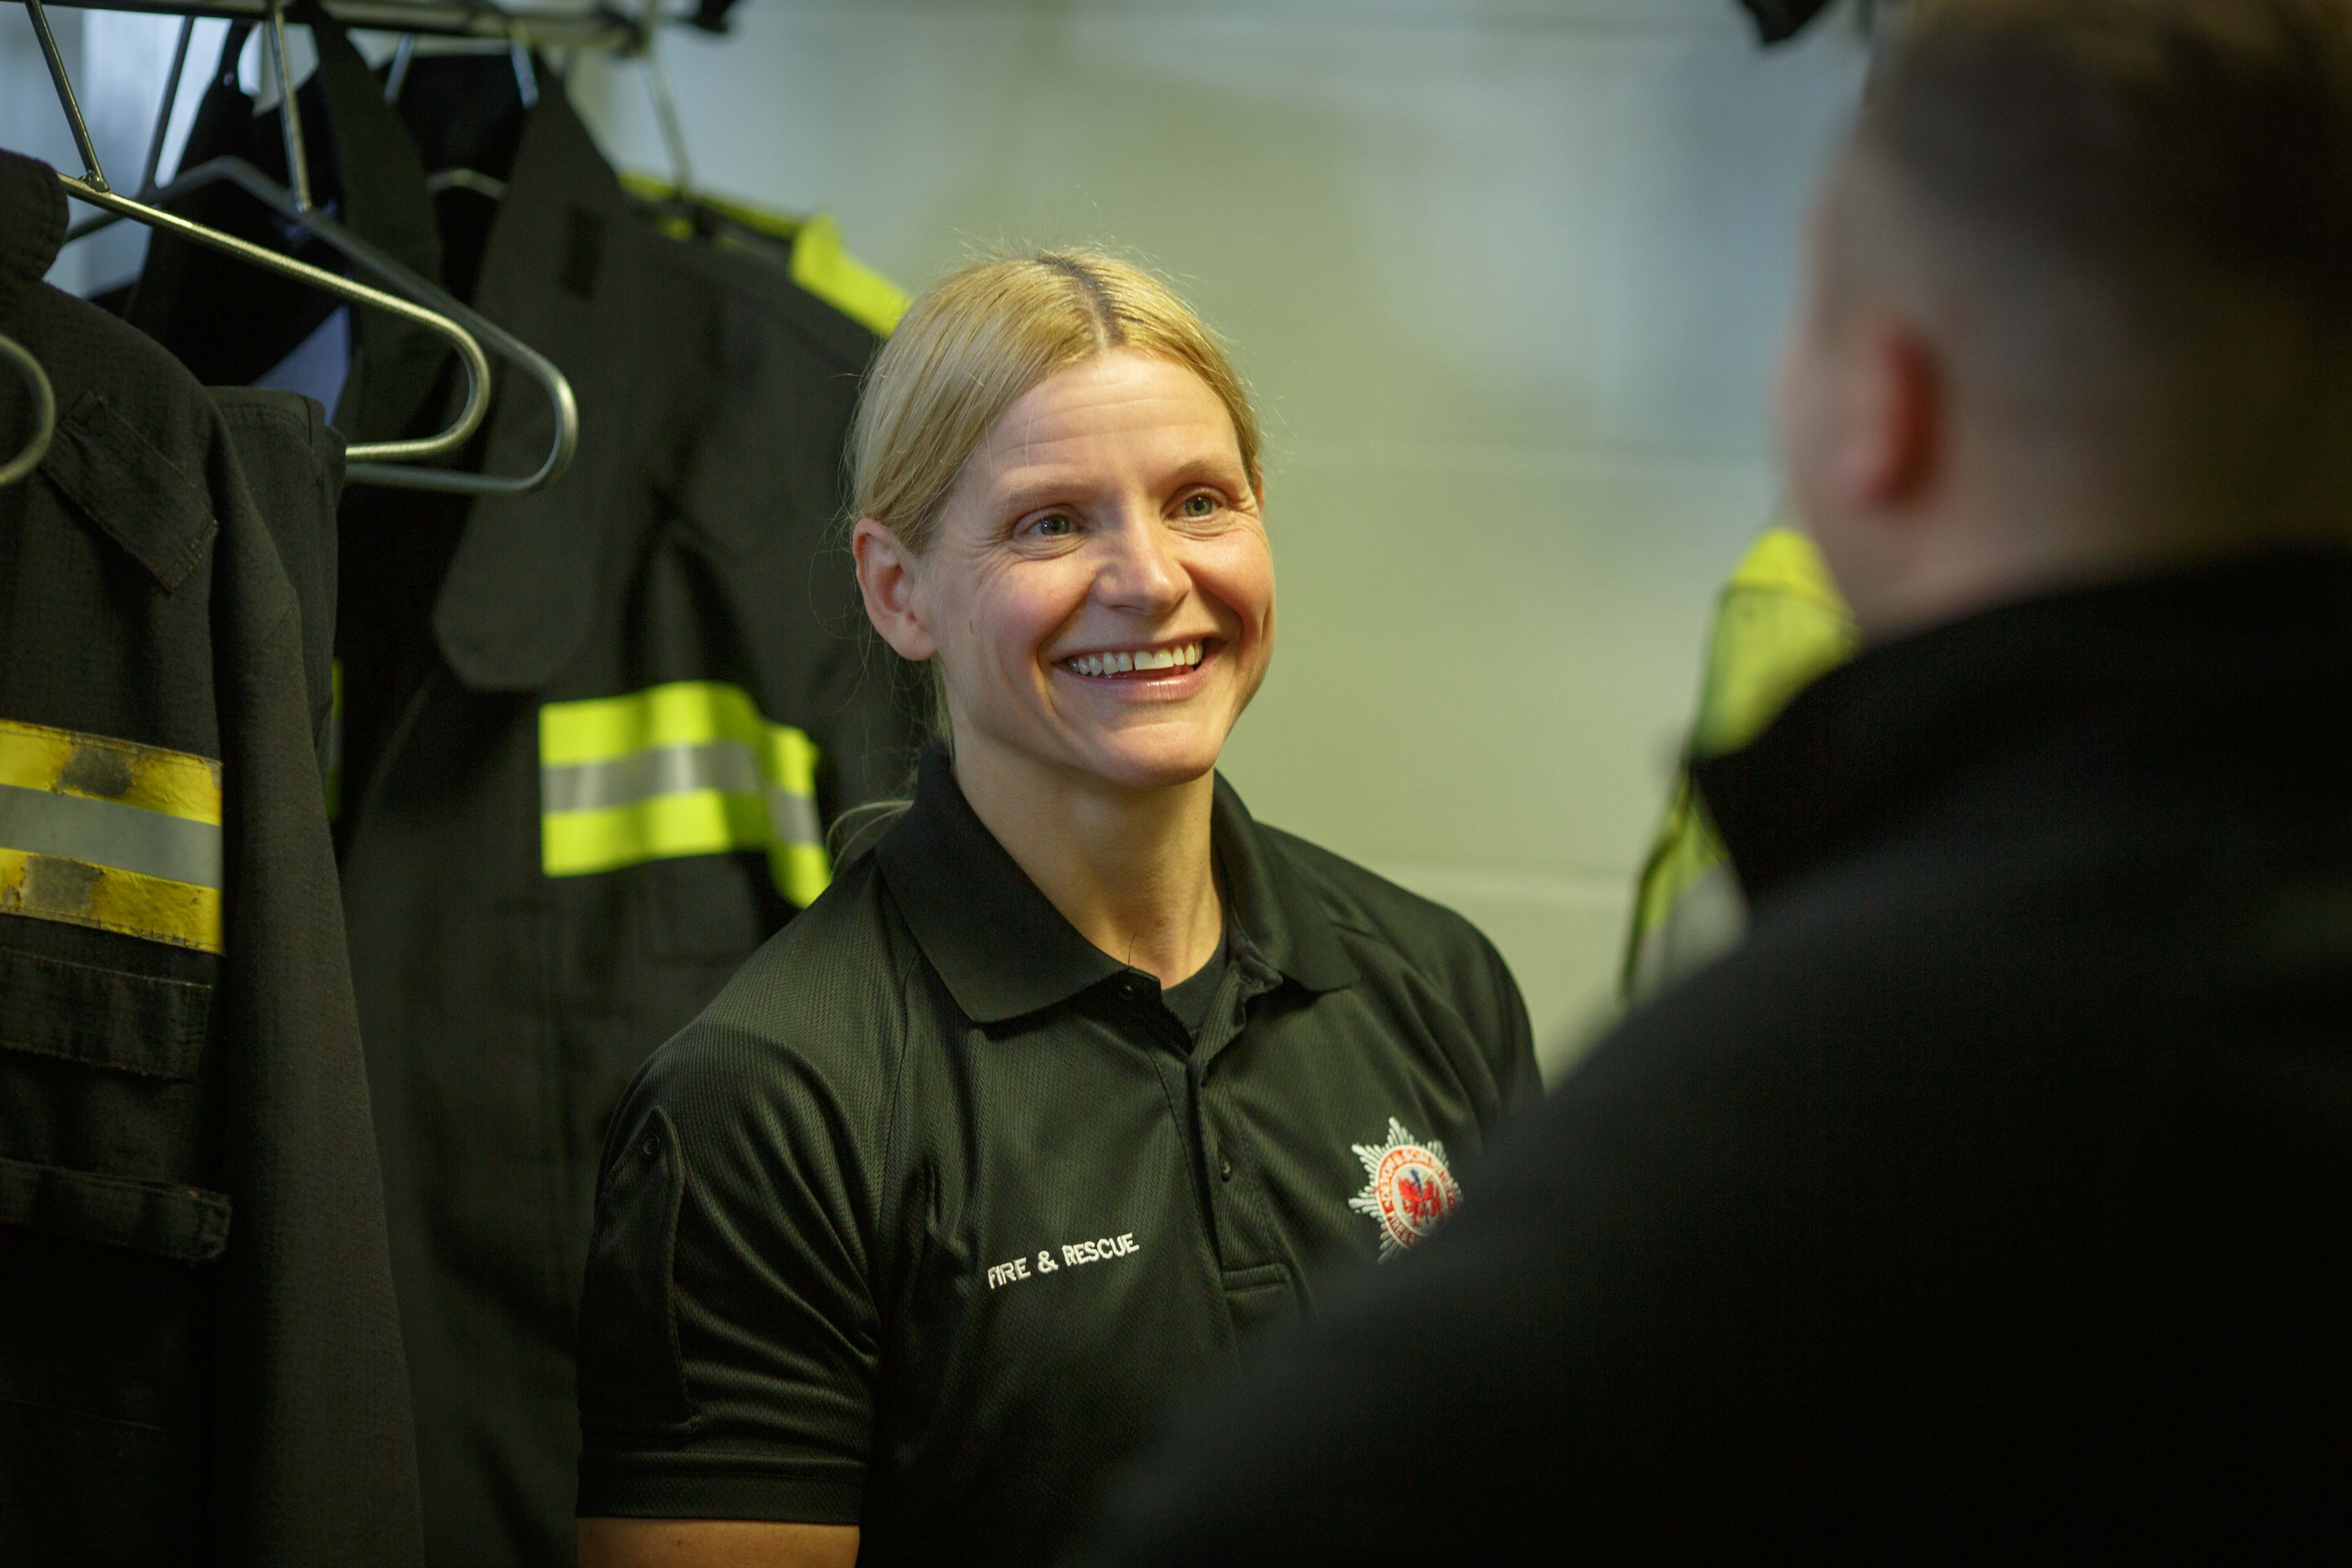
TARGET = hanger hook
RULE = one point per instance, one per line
(163, 115)
(89, 148)
(45, 411)
(289, 119)
(398, 76)
(666, 103)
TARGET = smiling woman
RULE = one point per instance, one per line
(1083, 1075)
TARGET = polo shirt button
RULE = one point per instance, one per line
(1224, 1168)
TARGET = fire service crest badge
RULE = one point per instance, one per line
(1408, 1189)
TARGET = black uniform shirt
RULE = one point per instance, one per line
(924, 1223)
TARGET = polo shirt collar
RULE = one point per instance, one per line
(1005, 952)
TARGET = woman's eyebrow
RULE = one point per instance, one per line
(1027, 488)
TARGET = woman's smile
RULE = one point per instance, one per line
(1172, 670)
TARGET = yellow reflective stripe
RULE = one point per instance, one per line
(790, 759)
(802, 871)
(100, 767)
(576, 843)
(681, 713)
(49, 886)
(690, 767)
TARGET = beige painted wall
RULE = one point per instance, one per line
(1507, 275)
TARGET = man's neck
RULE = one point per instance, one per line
(1131, 869)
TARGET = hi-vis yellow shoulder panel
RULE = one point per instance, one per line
(822, 267)
(688, 768)
(821, 263)
(1780, 625)
(99, 832)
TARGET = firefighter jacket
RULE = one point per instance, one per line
(593, 736)
(199, 1356)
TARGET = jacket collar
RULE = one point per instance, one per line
(2217, 669)
(562, 272)
(1005, 952)
(32, 224)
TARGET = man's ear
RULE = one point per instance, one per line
(1896, 439)
(886, 576)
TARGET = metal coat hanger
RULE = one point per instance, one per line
(381, 462)
(45, 411)
(526, 76)
(569, 27)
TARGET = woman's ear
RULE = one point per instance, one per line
(885, 575)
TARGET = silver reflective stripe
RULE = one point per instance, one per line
(794, 817)
(726, 766)
(106, 833)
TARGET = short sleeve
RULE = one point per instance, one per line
(728, 1336)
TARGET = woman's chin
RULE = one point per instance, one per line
(1152, 758)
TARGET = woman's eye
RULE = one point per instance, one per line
(1053, 525)
(1198, 506)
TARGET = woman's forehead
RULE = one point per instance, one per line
(1113, 411)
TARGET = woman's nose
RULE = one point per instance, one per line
(1140, 573)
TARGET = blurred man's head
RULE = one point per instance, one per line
(2080, 299)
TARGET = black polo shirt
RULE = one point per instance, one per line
(924, 1224)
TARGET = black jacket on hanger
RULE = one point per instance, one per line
(363, 173)
(1778, 21)
(693, 547)
(199, 1354)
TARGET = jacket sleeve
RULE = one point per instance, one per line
(314, 1455)
(729, 1335)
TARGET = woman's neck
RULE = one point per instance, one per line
(1131, 869)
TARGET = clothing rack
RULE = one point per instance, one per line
(596, 27)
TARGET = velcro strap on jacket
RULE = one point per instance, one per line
(691, 767)
(96, 831)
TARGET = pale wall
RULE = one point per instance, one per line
(1505, 274)
(1506, 278)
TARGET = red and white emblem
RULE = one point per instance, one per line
(1409, 1190)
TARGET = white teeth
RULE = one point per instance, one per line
(1181, 657)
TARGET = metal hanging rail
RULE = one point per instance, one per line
(539, 28)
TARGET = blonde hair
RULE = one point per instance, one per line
(974, 343)
(983, 336)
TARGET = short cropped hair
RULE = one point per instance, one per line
(2183, 161)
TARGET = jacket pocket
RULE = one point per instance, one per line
(184, 1225)
(103, 1017)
